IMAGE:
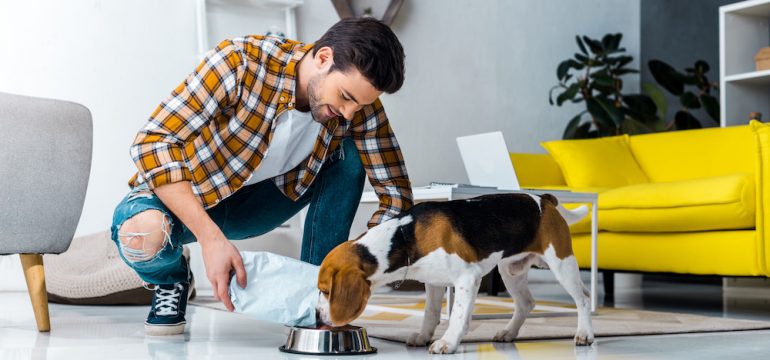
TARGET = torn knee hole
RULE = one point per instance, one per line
(143, 246)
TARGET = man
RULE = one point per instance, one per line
(262, 128)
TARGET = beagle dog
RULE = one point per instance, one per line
(455, 243)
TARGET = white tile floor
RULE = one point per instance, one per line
(92, 332)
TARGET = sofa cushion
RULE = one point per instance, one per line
(603, 162)
(715, 203)
(695, 154)
(537, 170)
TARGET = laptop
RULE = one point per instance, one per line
(487, 162)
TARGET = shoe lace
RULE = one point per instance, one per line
(167, 300)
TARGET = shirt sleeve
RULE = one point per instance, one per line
(382, 161)
(158, 148)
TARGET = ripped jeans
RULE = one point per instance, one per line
(251, 211)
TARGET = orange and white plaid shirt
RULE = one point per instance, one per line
(215, 127)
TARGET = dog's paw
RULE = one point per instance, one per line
(442, 347)
(417, 339)
(505, 336)
(584, 338)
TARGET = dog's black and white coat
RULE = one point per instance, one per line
(456, 243)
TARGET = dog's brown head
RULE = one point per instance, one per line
(344, 287)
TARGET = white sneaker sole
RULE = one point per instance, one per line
(164, 330)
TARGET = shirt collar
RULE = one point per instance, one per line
(288, 94)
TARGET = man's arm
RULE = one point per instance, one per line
(158, 148)
(219, 255)
(158, 154)
(383, 162)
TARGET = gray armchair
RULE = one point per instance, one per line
(45, 161)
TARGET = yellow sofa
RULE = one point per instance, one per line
(703, 211)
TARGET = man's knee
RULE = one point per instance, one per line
(144, 235)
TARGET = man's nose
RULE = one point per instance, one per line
(348, 111)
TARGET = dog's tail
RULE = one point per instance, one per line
(571, 216)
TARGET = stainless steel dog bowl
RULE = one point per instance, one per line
(346, 340)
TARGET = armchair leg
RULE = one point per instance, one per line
(34, 273)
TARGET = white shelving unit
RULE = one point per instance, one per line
(743, 30)
(285, 6)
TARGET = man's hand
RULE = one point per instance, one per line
(220, 257)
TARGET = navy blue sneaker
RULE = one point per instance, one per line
(169, 304)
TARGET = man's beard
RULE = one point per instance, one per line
(316, 109)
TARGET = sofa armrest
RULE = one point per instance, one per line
(537, 170)
(761, 134)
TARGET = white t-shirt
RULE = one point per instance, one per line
(293, 140)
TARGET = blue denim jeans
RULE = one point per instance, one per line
(255, 210)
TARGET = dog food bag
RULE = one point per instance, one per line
(279, 289)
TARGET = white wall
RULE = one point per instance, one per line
(472, 66)
(118, 58)
(478, 66)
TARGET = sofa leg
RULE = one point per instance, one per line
(494, 280)
(609, 286)
(34, 273)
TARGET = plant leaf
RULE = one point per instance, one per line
(607, 41)
(563, 68)
(657, 96)
(584, 131)
(624, 60)
(567, 94)
(690, 79)
(701, 67)
(603, 79)
(605, 109)
(667, 77)
(689, 101)
(632, 126)
(550, 94)
(684, 120)
(616, 41)
(711, 105)
(572, 126)
(641, 107)
(598, 113)
(580, 45)
(620, 72)
(610, 42)
(594, 45)
(576, 65)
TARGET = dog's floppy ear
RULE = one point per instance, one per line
(348, 295)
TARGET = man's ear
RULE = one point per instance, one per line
(348, 296)
(324, 58)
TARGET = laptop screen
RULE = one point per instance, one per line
(487, 162)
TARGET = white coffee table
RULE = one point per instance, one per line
(446, 193)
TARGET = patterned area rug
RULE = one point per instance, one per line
(395, 317)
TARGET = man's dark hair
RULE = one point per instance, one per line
(371, 47)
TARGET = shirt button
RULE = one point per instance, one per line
(283, 98)
(291, 105)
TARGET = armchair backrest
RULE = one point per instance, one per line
(45, 162)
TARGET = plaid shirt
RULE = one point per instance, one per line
(215, 127)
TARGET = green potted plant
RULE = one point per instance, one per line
(595, 76)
